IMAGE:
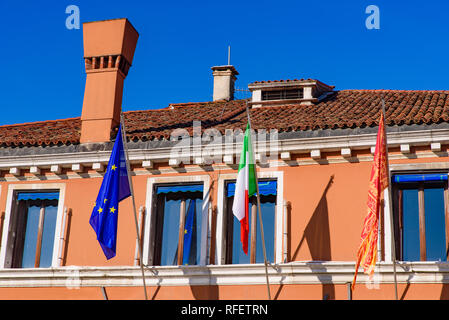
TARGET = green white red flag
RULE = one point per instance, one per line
(245, 187)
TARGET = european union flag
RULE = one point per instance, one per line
(189, 254)
(114, 188)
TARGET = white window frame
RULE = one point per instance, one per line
(388, 227)
(205, 180)
(6, 226)
(220, 249)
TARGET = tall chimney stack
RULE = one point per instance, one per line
(108, 54)
(224, 78)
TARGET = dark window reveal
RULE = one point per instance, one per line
(282, 94)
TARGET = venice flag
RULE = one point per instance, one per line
(245, 187)
(367, 252)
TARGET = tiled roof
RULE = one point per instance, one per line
(52, 132)
(343, 109)
(158, 124)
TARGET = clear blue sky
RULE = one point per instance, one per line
(43, 70)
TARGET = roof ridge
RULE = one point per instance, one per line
(284, 80)
(186, 104)
(205, 102)
(38, 122)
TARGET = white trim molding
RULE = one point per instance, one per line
(388, 230)
(433, 138)
(297, 272)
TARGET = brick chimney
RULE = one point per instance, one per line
(108, 54)
(224, 78)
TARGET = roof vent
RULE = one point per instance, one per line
(303, 91)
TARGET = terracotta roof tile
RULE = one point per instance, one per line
(52, 132)
(343, 109)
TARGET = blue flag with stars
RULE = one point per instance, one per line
(114, 188)
(189, 254)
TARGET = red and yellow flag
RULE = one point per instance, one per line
(367, 252)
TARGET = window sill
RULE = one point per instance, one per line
(286, 273)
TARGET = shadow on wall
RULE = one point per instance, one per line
(444, 292)
(209, 292)
(317, 232)
(317, 236)
(199, 292)
(444, 295)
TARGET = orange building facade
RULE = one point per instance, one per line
(314, 149)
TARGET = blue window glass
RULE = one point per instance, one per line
(238, 256)
(29, 248)
(170, 232)
(435, 224)
(429, 216)
(171, 198)
(268, 210)
(410, 220)
(48, 236)
(36, 226)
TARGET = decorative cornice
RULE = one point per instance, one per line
(107, 63)
(269, 153)
(312, 272)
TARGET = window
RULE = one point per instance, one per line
(234, 253)
(420, 213)
(282, 94)
(34, 216)
(178, 223)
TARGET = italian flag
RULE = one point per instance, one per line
(245, 187)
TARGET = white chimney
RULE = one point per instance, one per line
(224, 78)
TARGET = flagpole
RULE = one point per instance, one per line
(259, 213)
(393, 243)
(263, 239)
(128, 169)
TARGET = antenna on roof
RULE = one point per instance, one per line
(245, 92)
(229, 55)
